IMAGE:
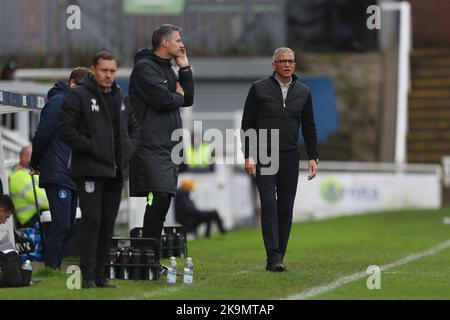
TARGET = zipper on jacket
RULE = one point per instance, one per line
(112, 131)
(280, 93)
(122, 101)
(289, 90)
(69, 162)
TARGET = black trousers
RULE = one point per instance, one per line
(277, 194)
(99, 204)
(63, 208)
(155, 215)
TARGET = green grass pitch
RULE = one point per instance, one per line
(319, 252)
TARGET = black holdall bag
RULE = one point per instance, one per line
(11, 274)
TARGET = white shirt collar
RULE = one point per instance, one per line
(284, 84)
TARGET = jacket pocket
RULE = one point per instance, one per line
(99, 153)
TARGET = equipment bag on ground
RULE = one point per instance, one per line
(11, 273)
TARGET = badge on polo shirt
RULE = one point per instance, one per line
(89, 186)
(62, 194)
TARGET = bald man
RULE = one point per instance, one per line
(21, 191)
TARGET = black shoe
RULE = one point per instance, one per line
(276, 267)
(88, 285)
(104, 283)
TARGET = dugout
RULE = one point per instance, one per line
(11, 102)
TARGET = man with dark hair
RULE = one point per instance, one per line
(50, 159)
(6, 208)
(98, 123)
(102, 55)
(158, 94)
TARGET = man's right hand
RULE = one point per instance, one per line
(182, 59)
(179, 89)
(250, 166)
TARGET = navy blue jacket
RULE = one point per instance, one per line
(50, 154)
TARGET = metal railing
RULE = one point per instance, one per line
(39, 27)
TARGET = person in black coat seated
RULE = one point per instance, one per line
(51, 159)
(187, 214)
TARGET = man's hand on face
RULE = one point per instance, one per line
(182, 60)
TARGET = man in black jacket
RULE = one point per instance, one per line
(278, 103)
(98, 123)
(50, 159)
(157, 95)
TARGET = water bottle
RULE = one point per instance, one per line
(181, 243)
(27, 265)
(163, 245)
(124, 260)
(170, 244)
(27, 270)
(136, 261)
(188, 276)
(149, 260)
(112, 260)
(172, 272)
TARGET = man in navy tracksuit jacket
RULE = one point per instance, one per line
(51, 157)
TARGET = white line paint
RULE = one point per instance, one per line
(153, 293)
(241, 272)
(310, 293)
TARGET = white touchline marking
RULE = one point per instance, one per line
(150, 294)
(310, 293)
(237, 273)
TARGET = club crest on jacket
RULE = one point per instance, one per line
(94, 107)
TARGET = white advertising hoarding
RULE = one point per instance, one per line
(343, 193)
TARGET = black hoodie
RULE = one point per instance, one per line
(85, 125)
(153, 95)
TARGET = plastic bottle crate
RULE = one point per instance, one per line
(136, 270)
(173, 241)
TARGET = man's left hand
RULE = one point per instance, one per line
(312, 169)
